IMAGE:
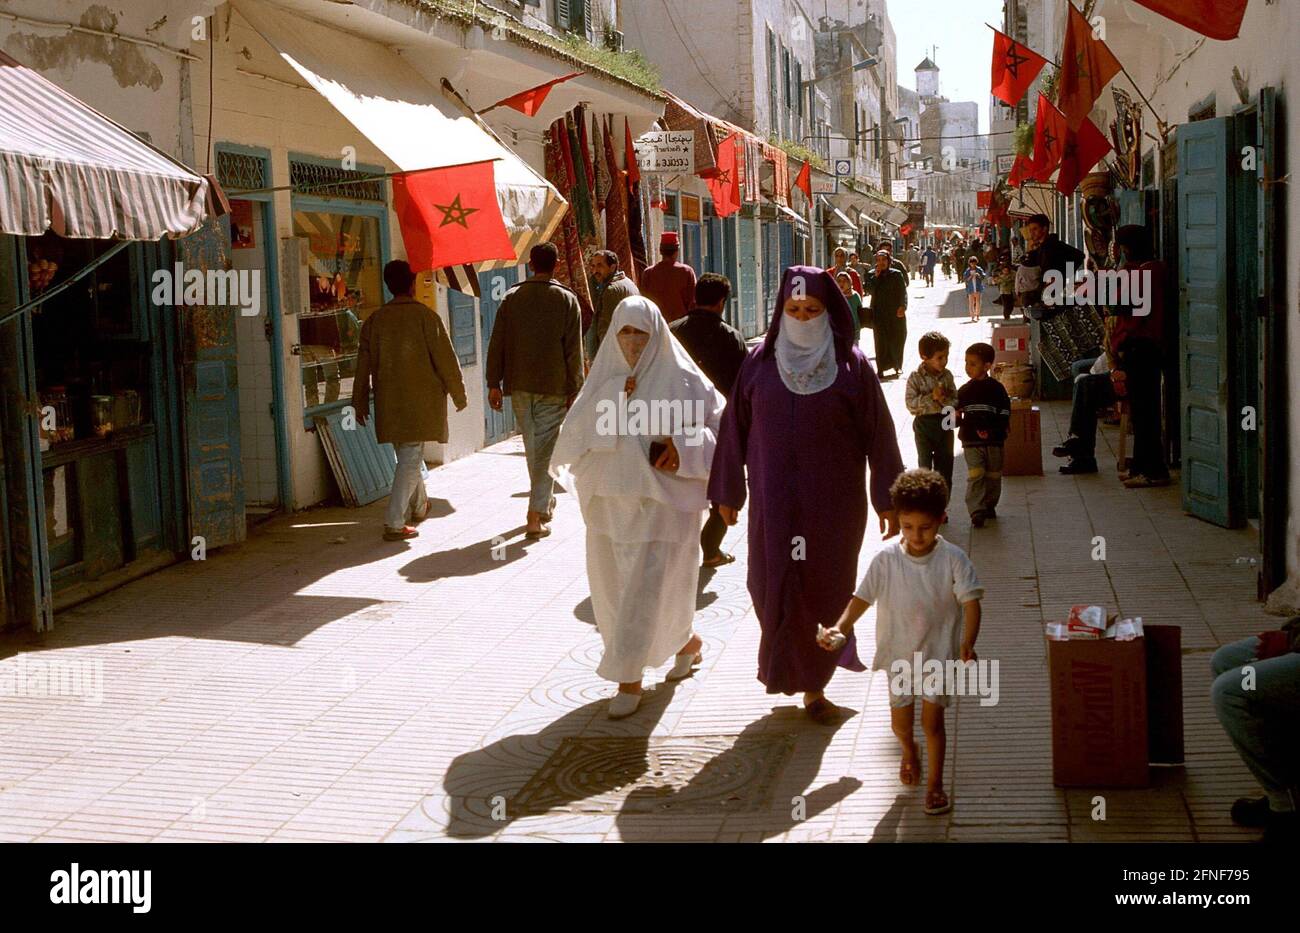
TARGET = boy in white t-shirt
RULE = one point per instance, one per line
(928, 606)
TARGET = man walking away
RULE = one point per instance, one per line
(612, 286)
(718, 349)
(668, 283)
(535, 357)
(928, 259)
(407, 356)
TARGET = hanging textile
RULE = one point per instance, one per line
(635, 214)
(570, 270)
(584, 144)
(780, 173)
(581, 197)
(603, 176)
(617, 239)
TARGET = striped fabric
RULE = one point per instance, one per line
(66, 167)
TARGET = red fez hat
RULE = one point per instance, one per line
(669, 238)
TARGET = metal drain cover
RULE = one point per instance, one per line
(703, 774)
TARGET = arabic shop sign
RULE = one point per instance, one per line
(666, 151)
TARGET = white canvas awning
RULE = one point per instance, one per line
(66, 167)
(412, 122)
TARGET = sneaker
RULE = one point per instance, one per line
(1077, 466)
(405, 533)
(1067, 448)
(1251, 811)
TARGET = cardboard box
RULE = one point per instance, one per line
(1022, 454)
(1117, 706)
(1010, 343)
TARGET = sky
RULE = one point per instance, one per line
(965, 45)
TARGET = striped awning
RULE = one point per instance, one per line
(66, 167)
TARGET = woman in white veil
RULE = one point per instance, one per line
(644, 396)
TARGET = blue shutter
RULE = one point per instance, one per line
(748, 286)
(211, 405)
(1205, 246)
(497, 424)
(460, 312)
(563, 14)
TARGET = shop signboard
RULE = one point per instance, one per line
(666, 151)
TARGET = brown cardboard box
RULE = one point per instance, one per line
(1010, 343)
(1116, 706)
(1099, 713)
(1022, 454)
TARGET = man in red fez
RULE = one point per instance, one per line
(668, 283)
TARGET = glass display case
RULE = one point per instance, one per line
(346, 286)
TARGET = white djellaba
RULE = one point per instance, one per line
(643, 523)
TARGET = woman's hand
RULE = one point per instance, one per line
(729, 515)
(669, 460)
(831, 639)
(630, 386)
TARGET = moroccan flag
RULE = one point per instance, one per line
(530, 101)
(803, 181)
(1218, 19)
(450, 216)
(1087, 65)
(629, 155)
(1015, 67)
(724, 184)
(984, 199)
(1083, 149)
(1050, 131)
(1021, 171)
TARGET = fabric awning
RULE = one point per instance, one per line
(66, 167)
(413, 123)
(791, 215)
(838, 217)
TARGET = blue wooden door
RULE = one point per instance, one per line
(787, 246)
(1205, 338)
(771, 272)
(730, 267)
(714, 261)
(210, 403)
(691, 247)
(747, 267)
(493, 285)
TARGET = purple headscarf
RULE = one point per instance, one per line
(819, 284)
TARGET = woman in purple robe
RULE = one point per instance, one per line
(806, 417)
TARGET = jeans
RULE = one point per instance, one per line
(934, 446)
(1091, 394)
(1140, 358)
(1261, 722)
(715, 529)
(983, 479)
(407, 498)
(539, 417)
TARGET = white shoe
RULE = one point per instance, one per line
(682, 667)
(623, 705)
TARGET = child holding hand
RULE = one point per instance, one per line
(928, 610)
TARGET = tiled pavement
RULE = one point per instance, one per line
(319, 684)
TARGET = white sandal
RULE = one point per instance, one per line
(682, 667)
(623, 705)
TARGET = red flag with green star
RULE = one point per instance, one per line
(1218, 19)
(1083, 150)
(1014, 68)
(724, 183)
(450, 216)
(1049, 139)
(1087, 65)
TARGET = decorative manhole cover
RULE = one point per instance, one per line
(698, 774)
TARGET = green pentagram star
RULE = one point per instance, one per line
(1081, 67)
(1049, 141)
(453, 213)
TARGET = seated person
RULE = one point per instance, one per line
(1256, 696)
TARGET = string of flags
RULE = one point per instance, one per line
(1066, 142)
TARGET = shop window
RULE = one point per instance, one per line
(345, 255)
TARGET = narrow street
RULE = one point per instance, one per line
(317, 683)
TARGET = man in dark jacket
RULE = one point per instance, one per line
(611, 286)
(407, 360)
(1045, 251)
(718, 349)
(888, 290)
(535, 357)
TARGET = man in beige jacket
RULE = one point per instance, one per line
(407, 354)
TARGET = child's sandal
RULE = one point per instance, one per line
(936, 802)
